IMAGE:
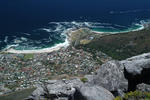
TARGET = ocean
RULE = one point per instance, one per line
(38, 24)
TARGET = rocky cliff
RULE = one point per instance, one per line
(112, 79)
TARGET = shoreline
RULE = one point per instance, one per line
(65, 44)
(44, 50)
(134, 30)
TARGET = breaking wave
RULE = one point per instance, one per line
(54, 34)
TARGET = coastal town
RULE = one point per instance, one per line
(20, 71)
(23, 71)
(75, 50)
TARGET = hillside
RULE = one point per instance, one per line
(121, 46)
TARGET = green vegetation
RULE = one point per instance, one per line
(136, 95)
(19, 95)
(118, 98)
(121, 46)
(82, 36)
(84, 80)
(12, 86)
(84, 41)
(28, 56)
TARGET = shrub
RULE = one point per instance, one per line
(118, 98)
(84, 80)
(136, 95)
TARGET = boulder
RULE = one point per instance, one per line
(135, 65)
(89, 77)
(143, 87)
(111, 76)
(36, 94)
(56, 89)
(70, 90)
(88, 92)
(137, 70)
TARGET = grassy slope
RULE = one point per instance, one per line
(123, 45)
(19, 95)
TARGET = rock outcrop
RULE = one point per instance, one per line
(88, 92)
(114, 76)
(123, 76)
(143, 87)
(56, 89)
(111, 77)
(137, 70)
(70, 90)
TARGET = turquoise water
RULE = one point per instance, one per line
(112, 30)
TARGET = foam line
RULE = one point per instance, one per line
(44, 50)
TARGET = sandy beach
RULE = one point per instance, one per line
(61, 45)
(44, 50)
(141, 28)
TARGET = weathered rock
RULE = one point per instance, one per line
(70, 90)
(56, 89)
(37, 94)
(135, 65)
(89, 77)
(137, 70)
(88, 92)
(143, 87)
(64, 86)
(111, 77)
(114, 76)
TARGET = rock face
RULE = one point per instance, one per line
(120, 76)
(111, 77)
(137, 70)
(56, 89)
(87, 92)
(70, 90)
